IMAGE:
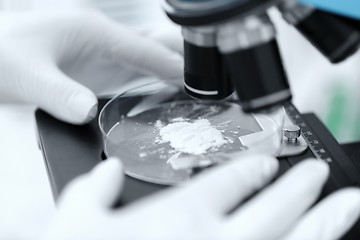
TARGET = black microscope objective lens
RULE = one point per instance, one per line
(205, 74)
(258, 76)
(330, 34)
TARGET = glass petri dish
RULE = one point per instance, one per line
(161, 134)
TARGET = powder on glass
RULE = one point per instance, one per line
(191, 137)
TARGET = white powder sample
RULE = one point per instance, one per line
(179, 119)
(194, 138)
(158, 124)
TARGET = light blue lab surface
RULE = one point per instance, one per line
(350, 8)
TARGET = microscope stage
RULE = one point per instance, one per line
(71, 150)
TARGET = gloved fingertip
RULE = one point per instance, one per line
(92, 113)
(174, 68)
(350, 210)
(317, 166)
(107, 180)
(84, 108)
(113, 163)
(110, 171)
(268, 164)
(176, 82)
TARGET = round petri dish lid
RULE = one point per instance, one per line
(162, 135)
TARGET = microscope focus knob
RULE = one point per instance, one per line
(292, 132)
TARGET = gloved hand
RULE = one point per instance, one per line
(198, 209)
(59, 60)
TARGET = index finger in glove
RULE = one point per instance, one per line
(276, 208)
(98, 188)
(144, 55)
(330, 218)
(169, 36)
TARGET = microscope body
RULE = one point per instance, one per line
(230, 45)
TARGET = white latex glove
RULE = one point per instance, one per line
(59, 60)
(197, 210)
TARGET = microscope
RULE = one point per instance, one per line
(230, 45)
